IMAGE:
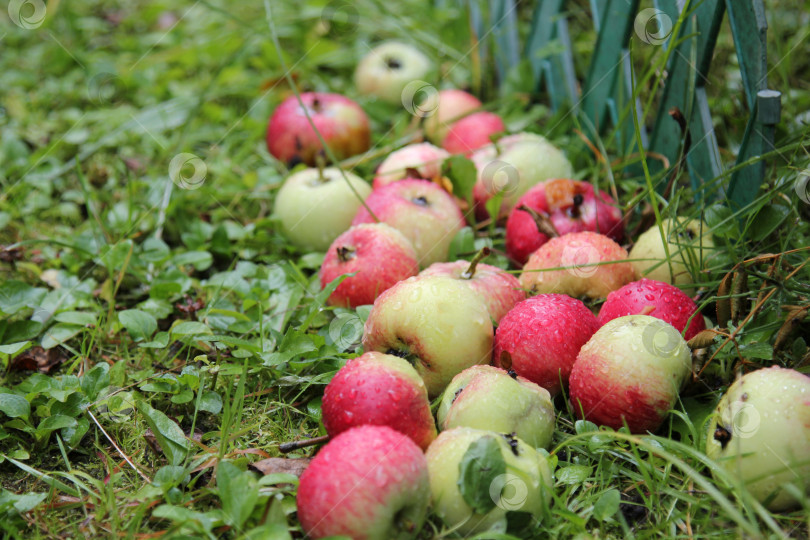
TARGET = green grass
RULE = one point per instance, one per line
(156, 405)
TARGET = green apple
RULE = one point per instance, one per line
(477, 477)
(760, 434)
(486, 397)
(315, 206)
(388, 68)
(438, 324)
(689, 243)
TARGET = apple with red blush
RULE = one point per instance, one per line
(341, 122)
(472, 132)
(420, 160)
(448, 106)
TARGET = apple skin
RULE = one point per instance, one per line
(528, 472)
(570, 205)
(422, 211)
(583, 276)
(542, 337)
(630, 370)
(499, 290)
(760, 434)
(486, 397)
(382, 390)
(472, 132)
(369, 483)
(379, 254)
(439, 324)
(388, 68)
(315, 207)
(421, 159)
(451, 105)
(513, 166)
(687, 241)
(656, 298)
(342, 124)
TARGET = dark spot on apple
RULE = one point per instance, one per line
(744, 397)
(392, 63)
(506, 360)
(397, 352)
(411, 172)
(689, 234)
(345, 253)
(511, 438)
(458, 393)
(421, 200)
(512, 373)
(722, 435)
(316, 105)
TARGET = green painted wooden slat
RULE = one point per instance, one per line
(504, 32)
(548, 29)
(749, 28)
(605, 67)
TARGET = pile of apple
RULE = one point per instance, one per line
(466, 334)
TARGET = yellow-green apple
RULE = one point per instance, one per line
(423, 212)
(590, 265)
(369, 483)
(486, 397)
(341, 122)
(630, 371)
(450, 106)
(512, 166)
(658, 299)
(541, 337)
(314, 206)
(382, 390)
(379, 254)
(388, 68)
(477, 477)
(689, 243)
(472, 132)
(499, 290)
(419, 160)
(570, 206)
(439, 325)
(760, 434)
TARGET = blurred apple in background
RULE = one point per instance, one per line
(439, 325)
(512, 166)
(341, 122)
(421, 160)
(447, 107)
(422, 211)
(570, 206)
(472, 132)
(314, 206)
(388, 68)
(591, 265)
(369, 482)
(379, 254)
(381, 390)
(486, 397)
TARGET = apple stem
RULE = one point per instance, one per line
(345, 253)
(470, 271)
(494, 138)
(544, 225)
(320, 162)
(288, 447)
(578, 200)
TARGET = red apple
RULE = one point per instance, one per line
(381, 390)
(591, 265)
(341, 122)
(472, 132)
(368, 483)
(657, 299)
(499, 289)
(541, 337)
(422, 211)
(570, 206)
(451, 106)
(379, 254)
(422, 160)
(630, 371)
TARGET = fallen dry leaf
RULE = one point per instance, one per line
(273, 465)
(38, 359)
